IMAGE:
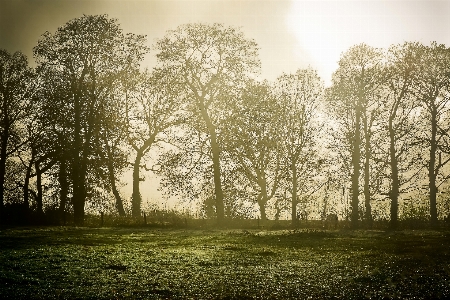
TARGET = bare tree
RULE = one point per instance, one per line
(353, 100)
(253, 141)
(401, 109)
(432, 88)
(212, 63)
(299, 95)
(153, 107)
(89, 54)
(17, 99)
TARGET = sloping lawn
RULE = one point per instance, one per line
(147, 263)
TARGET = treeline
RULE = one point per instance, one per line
(71, 127)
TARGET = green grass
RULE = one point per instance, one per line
(151, 263)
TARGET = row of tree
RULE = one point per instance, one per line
(70, 126)
(392, 113)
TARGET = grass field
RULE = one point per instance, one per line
(152, 263)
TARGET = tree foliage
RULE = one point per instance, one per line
(212, 62)
(88, 55)
(17, 103)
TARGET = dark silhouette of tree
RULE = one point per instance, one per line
(17, 95)
(212, 63)
(153, 107)
(253, 142)
(299, 95)
(432, 89)
(55, 130)
(353, 101)
(401, 108)
(89, 54)
(111, 154)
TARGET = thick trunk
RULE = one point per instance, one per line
(79, 194)
(215, 149)
(432, 169)
(136, 197)
(79, 202)
(262, 200)
(395, 184)
(294, 195)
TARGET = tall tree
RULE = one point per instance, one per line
(90, 54)
(299, 94)
(254, 143)
(401, 108)
(153, 107)
(112, 153)
(55, 127)
(212, 63)
(353, 100)
(17, 95)
(432, 89)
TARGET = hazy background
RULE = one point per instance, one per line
(291, 34)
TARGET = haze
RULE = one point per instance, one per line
(291, 34)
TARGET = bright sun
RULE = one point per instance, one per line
(325, 29)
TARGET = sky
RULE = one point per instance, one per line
(291, 34)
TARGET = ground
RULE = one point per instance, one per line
(152, 263)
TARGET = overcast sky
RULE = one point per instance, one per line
(291, 34)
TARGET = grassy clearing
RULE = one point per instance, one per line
(143, 263)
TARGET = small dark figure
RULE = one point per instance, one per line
(331, 221)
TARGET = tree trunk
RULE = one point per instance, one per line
(79, 202)
(355, 163)
(112, 181)
(395, 184)
(262, 200)
(220, 210)
(79, 196)
(26, 185)
(294, 195)
(3, 157)
(432, 169)
(136, 197)
(368, 213)
(119, 201)
(78, 186)
(39, 197)
(64, 190)
(215, 149)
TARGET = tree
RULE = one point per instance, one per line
(299, 95)
(112, 154)
(432, 89)
(353, 100)
(55, 126)
(211, 62)
(17, 99)
(254, 143)
(152, 108)
(90, 54)
(401, 108)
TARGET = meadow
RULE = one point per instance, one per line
(145, 262)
